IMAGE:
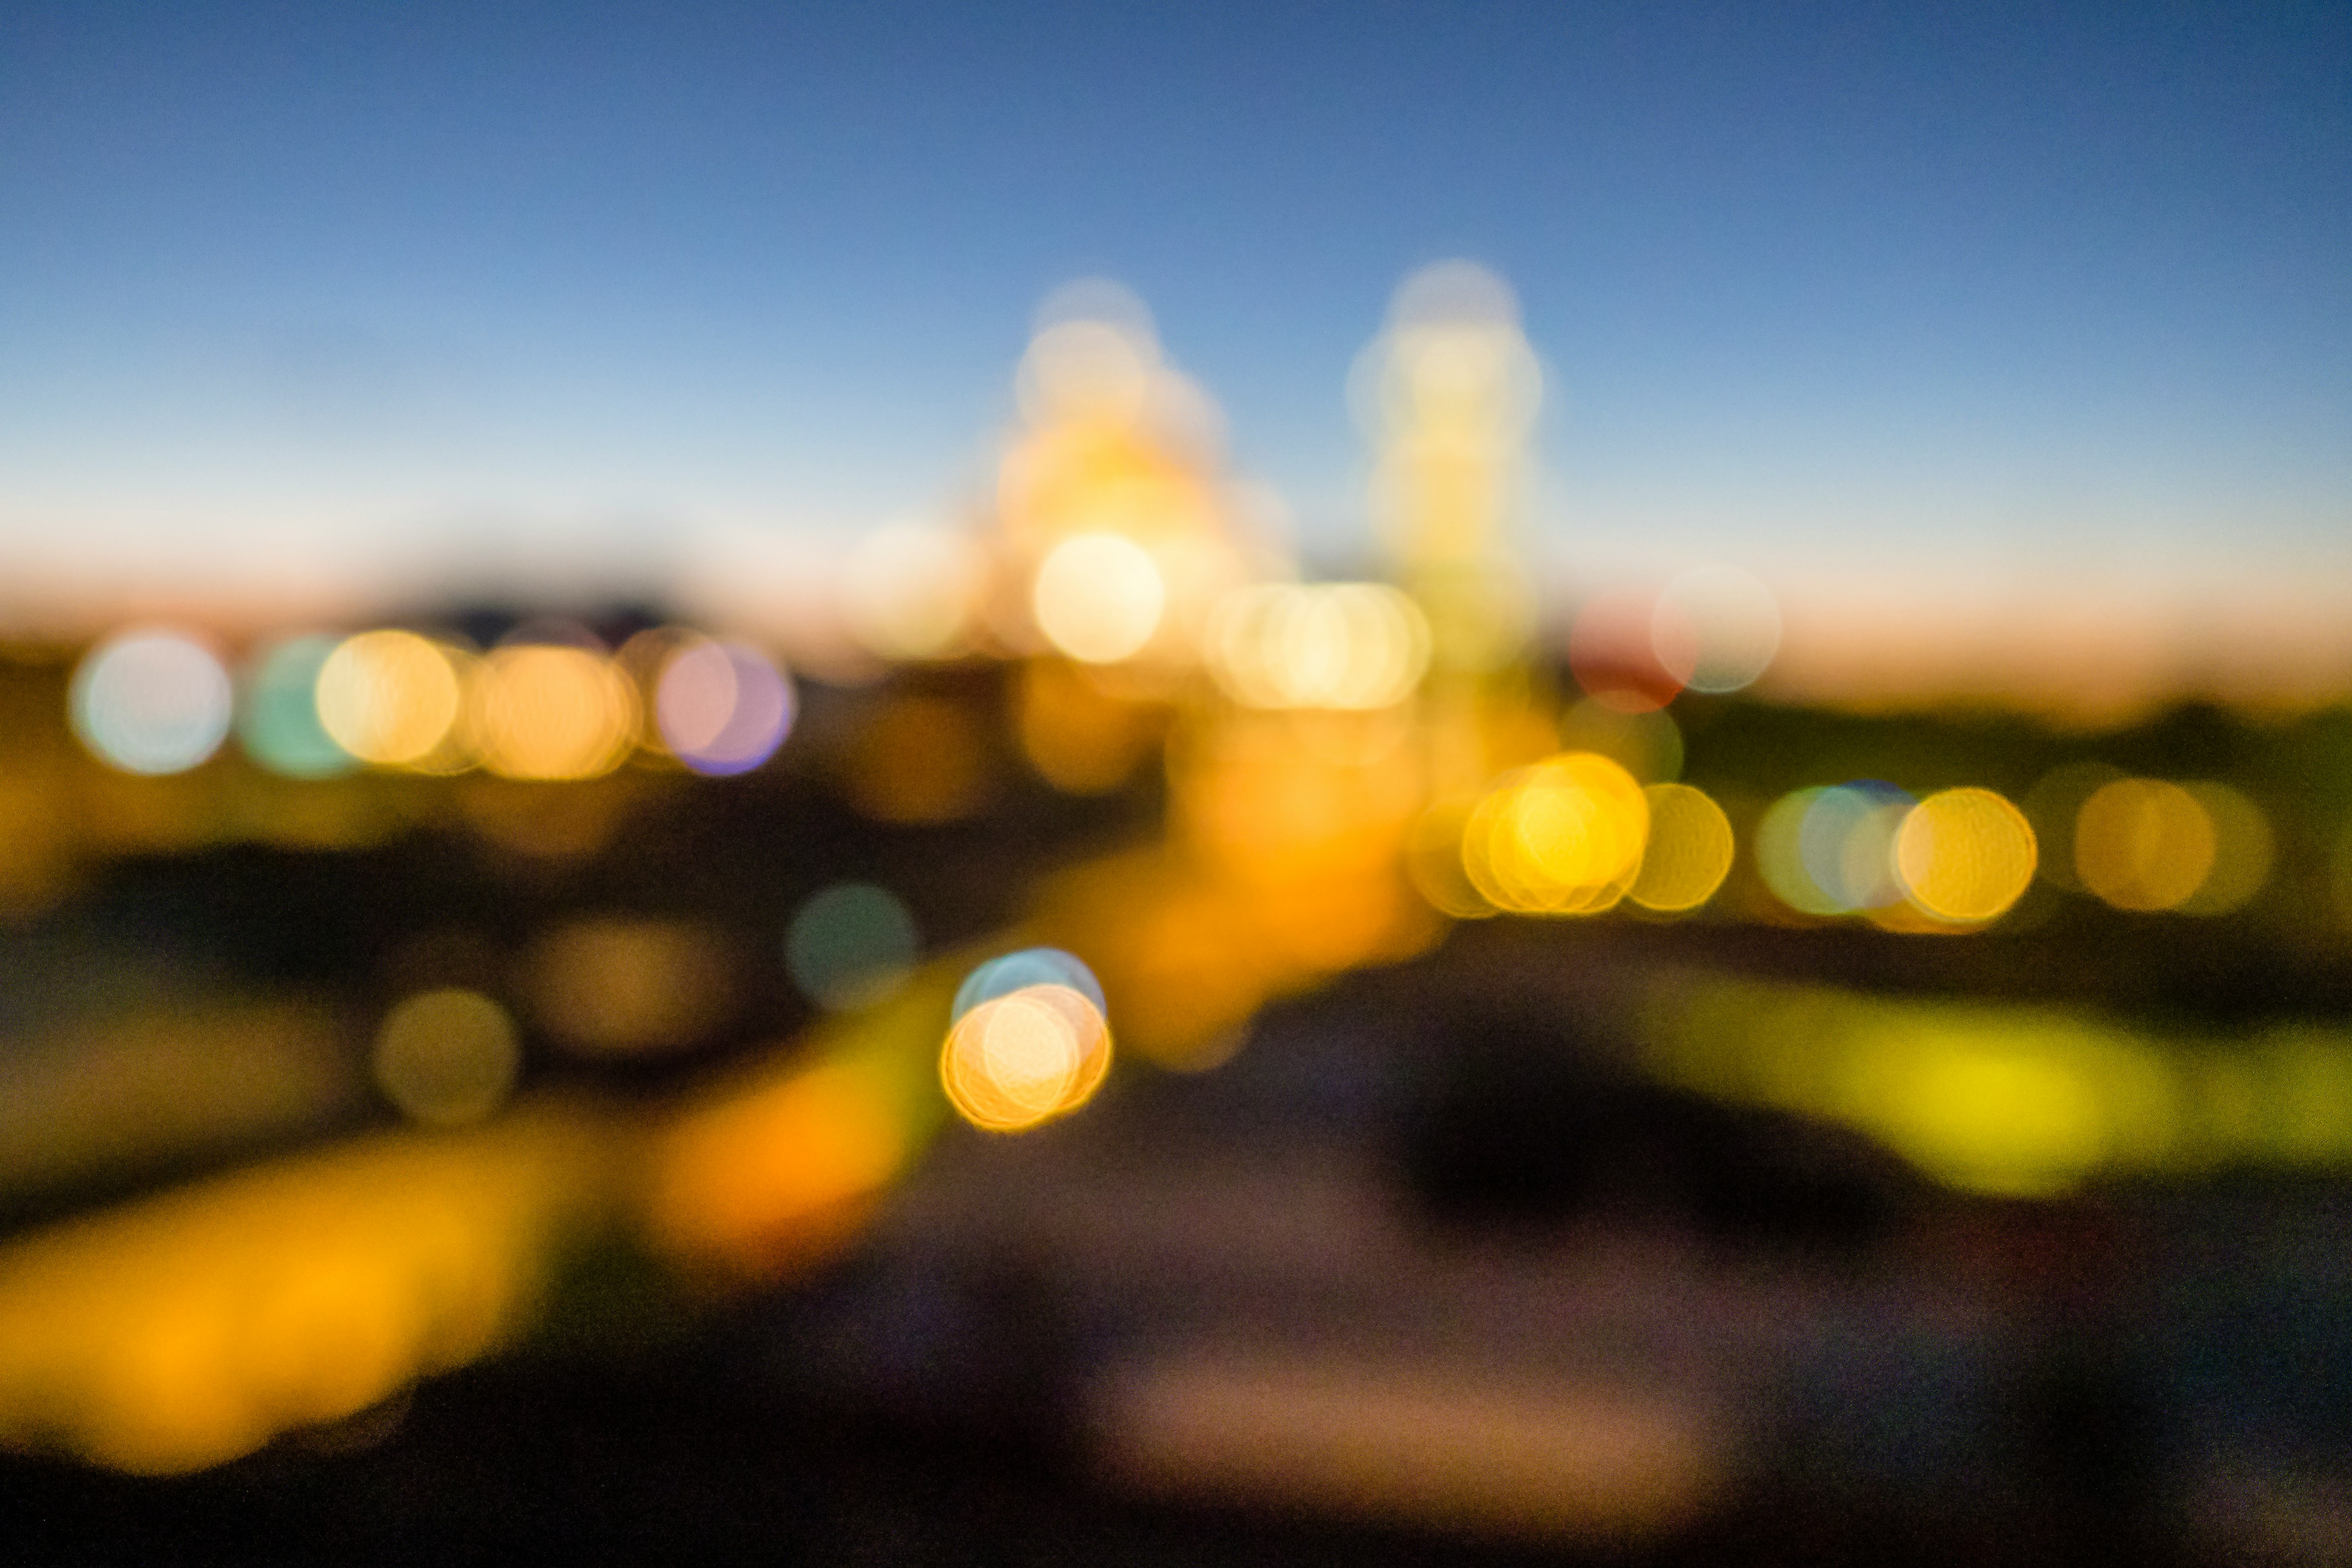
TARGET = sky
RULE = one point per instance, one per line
(1968, 299)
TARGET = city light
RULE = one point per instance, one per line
(1689, 851)
(1099, 597)
(2143, 844)
(1964, 855)
(2244, 849)
(1847, 843)
(722, 708)
(391, 697)
(1016, 1060)
(652, 979)
(851, 945)
(447, 1056)
(546, 711)
(278, 711)
(1028, 1041)
(1562, 837)
(151, 701)
(1355, 645)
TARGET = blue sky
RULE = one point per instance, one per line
(2003, 289)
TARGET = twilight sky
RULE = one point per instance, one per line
(1996, 297)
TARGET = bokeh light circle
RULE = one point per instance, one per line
(1346, 645)
(1689, 851)
(2245, 850)
(1564, 837)
(1779, 850)
(390, 698)
(851, 945)
(447, 1056)
(278, 711)
(1846, 845)
(151, 701)
(1099, 597)
(2143, 844)
(551, 711)
(723, 709)
(1021, 1058)
(1965, 854)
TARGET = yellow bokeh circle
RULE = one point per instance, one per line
(546, 711)
(390, 698)
(1689, 851)
(1564, 837)
(1965, 854)
(2144, 843)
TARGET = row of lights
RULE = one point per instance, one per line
(163, 700)
(1962, 857)
(2143, 845)
(1099, 598)
(555, 706)
(1578, 835)
(1573, 835)
(2199, 848)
